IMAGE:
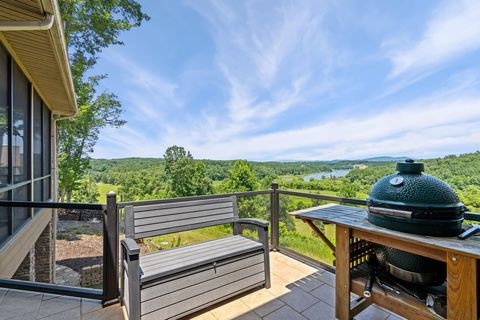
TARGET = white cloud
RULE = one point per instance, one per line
(453, 30)
(266, 52)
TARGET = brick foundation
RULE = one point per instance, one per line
(92, 275)
(39, 264)
(44, 256)
(26, 270)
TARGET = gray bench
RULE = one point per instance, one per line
(173, 283)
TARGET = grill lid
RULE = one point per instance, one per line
(414, 202)
(410, 187)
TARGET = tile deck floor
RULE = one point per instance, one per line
(298, 291)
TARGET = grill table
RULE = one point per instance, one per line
(353, 237)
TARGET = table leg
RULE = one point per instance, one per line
(342, 273)
(461, 287)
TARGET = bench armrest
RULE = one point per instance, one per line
(252, 221)
(130, 246)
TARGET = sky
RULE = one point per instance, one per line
(297, 80)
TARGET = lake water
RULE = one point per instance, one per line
(331, 174)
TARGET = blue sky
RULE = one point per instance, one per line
(290, 80)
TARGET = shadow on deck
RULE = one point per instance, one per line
(298, 291)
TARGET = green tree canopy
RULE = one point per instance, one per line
(90, 26)
(185, 177)
(241, 178)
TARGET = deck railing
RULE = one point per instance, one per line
(106, 217)
(112, 221)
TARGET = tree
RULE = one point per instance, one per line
(185, 177)
(241, 178)
(90, 26)
(87, 193)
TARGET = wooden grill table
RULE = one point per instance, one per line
(353, 230)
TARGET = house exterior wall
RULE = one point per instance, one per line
(26, 153)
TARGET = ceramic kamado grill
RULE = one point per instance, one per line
(413, 202)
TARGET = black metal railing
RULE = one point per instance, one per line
(112, 213)
(109, 291)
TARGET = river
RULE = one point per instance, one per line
(319, 175)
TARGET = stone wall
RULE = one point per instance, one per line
(44, 258)
(26, 270)
(39, 263)
(91, 275)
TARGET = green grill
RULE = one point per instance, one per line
(414, 202)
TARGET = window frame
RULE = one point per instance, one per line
(31, 180)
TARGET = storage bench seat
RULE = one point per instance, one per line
(173, 283)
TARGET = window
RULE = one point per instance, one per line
(46, 141)
(20, 124)
(25, 146)
(3, 117)
(4, 214)
(20, 215)
(37, 136)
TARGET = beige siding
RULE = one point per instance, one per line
(41, 54)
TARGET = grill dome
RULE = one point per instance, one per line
(414, 202)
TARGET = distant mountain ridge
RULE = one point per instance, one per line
(386, 158)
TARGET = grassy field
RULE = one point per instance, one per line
(103, 189)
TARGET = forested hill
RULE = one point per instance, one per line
(103, 169)
(141, 178)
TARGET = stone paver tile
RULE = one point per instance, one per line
(279, 286)
(285, 313)
(48, 296)
(288, 273)
(325, 293)
(3, 292)
(230, 310)
(295, 264)
(308, 283)
(257, 298)
(89, 305)
(57, 305)
(204, 316)
(248, 316)
(16, 303)
(372, 313)
(320, 311)
(328, 278)
(25, 316)
(72, 314)
(269, 307)
(299, 299)
(113, 312)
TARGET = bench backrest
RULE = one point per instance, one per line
(158, 219)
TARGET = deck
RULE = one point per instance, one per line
(298, 291)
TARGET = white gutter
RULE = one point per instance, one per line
(44, 24)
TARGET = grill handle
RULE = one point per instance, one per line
(391, 212)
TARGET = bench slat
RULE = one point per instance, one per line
(181, 203)
(176, 210)
(182, 216)
(187, 227)
(195, 290)
(163, 256)
(178, 223)
(206, 298)
(195, 276)
(156, 271)
(195, 255)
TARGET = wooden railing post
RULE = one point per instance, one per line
(110, 241)
(275, 215)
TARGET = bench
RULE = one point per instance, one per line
(173, 283)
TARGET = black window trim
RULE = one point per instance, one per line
(30, 182)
